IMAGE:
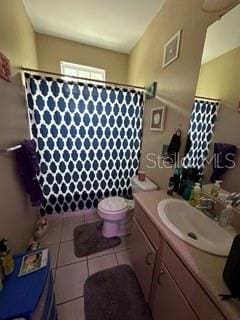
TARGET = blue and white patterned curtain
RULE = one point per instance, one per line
(88, 139)
(202, 124)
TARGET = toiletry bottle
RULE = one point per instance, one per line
(195, 195)
(177, 178)
(6, 258)
(226, 215)
(216, 188)
(188, 190)
(192, 198)
(170, 186)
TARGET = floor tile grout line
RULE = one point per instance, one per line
(71, 263)
(116, 258)
(74, 262)
(70, 300)
(66, 240)
(59, 245)
(120, 250)
(88, 267)
(71, 240)
(46, 245)
(102, 255)
(87, 259)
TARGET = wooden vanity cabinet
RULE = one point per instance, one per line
(143, 256)
(168, 286)
(191, 289)
(168, 303)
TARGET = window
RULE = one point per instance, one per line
(78, 70)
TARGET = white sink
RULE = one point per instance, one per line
(189, 223)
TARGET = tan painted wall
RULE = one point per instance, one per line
(219, 78)
(17, 37)
(177, 82)
(52, 50)
(17, 41)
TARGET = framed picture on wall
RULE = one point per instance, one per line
(157, 119)
(151, 90)
(171, 49)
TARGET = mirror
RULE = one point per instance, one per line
(216, 5)
(218, 90)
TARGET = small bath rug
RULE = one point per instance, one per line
(115, 294)
(88, 239)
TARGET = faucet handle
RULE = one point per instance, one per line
(234, 198)
(208, 199)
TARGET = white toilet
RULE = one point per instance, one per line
(117, 212)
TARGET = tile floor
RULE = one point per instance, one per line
(71, 272)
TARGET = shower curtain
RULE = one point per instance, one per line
(88, 140)
(202, 124)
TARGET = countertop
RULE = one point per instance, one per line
(207, 269)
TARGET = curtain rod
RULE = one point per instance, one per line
(205, 98)
(81, 78)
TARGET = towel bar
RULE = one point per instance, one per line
(10, 149)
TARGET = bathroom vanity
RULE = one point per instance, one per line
(178, 280)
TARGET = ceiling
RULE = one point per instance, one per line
(223, 35)
(112, 24)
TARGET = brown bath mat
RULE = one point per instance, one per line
(115, 294)
(88, 239)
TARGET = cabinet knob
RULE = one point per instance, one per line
(148, 258)
(161, 273)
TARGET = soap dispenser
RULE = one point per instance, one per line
(196, 195)
(216, 188)
(226, 215)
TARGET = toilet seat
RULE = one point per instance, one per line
(113, 205)
(113, 211)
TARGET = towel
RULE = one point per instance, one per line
(29, 169)
(224, 155)
(174, 147)
(188, 145)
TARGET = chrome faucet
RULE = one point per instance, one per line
(234, 198)
(207, 206)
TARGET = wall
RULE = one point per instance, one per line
(219, 78)
(177, 82)
(17, 41)
(52, 50)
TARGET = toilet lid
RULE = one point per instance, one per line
(112, 204)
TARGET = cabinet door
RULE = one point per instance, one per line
(142, 255)
(168, 301)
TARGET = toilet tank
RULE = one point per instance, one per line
(143, 186)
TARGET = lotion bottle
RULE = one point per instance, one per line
(226, 215)
(216, 188)
(196, 194)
